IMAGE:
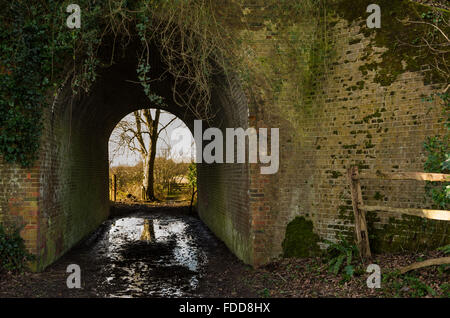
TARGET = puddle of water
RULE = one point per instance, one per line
(145, 257)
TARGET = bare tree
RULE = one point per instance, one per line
(141, 134)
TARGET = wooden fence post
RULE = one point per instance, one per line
(114, 187)
(360, 209)
(362, 236)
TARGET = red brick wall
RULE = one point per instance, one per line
(19, 201)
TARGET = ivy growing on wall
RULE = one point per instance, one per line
(25, 61)
(35, 48)
(39, 55)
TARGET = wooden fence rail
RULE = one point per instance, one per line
(360, 209)
(421, 176)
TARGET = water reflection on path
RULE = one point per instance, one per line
(149, 256)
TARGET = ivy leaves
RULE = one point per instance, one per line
(21, 94)
(13, 254)
(438, 160)
(32, 48)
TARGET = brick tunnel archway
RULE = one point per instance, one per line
(73, 163)
(352, 115)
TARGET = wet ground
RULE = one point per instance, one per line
(150, 255)
(164, 251)
(140, 252)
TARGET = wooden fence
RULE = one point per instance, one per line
(113, 188)
(360, 209)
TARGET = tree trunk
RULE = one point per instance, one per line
(149, 177)
(149, 162)
(145, 179)
(150, 168)
(148, 153)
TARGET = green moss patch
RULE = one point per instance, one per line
(410, 233)
(300, 239)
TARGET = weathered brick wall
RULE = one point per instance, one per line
(350, 120)
(338, 117)
(73, 168)
(223, 188)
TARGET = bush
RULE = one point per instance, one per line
(13, 254)
(438, 159)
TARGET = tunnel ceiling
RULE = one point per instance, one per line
(117, 92)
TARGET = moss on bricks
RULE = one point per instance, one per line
(334, 174)
(377, 114)
(300, 239)
(409, 233)
(378, 196)
(389, 35)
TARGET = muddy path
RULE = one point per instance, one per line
(163, 251)
(140, 252)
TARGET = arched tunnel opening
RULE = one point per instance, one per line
(152, 159)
